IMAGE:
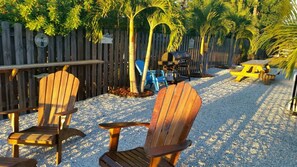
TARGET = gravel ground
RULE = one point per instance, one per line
(240, 124)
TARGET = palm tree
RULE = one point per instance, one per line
(282, 37)
(171, 19)
(240, 25)
(131, 9)
(205, 17)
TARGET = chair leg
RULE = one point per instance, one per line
(156, 84)
(151, 85)
(173, 158)
(166, 84)
(59, 152)
(15, 150)
(155, 161)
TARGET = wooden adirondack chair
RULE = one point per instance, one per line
(151, 76)
(57, 95)
(174, 113)
(17, 162)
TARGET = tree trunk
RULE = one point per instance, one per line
(205, 63)
(132, 77)
(213, 42)
(231, 49)
(202, 55)
(147, 59)
(202, 45)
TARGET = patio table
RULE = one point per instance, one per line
(252, 69)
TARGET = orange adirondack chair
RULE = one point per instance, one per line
(57, 95)
(174, 113)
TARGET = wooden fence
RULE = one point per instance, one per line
(17, 47)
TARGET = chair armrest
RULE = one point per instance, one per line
(14, 116)
(66, 112)
(122, 125)
(17, 110)
(115, 130)
(169, 149)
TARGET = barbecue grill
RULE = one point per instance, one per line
(175, 64)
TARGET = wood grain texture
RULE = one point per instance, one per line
(57, 95)
(175, 110)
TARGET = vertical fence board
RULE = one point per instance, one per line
(67, 48)
(7, 54)
(137, 45)
(158, 51)
(94, 81)
(143, 45)
(30, 60)
(163, 46)
(88, 73)
(59, 48)
(145, 42)
(81, 69)
(111, 62)
(100, 68)
(126, 58)
(121, 53)
(153, 52)
(116, 58)
(105, 68)
(51, 52)
(51, 49)
(73, 51)
(19, 54)
(138, 36)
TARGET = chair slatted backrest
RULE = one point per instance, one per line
(57, 93)
(139, 66)
(174, 113)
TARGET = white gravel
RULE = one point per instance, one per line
(240, 124)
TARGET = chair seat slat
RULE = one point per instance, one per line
(128, 159)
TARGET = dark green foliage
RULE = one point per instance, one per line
(272, 12)
(8, 11)
(54, 17)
